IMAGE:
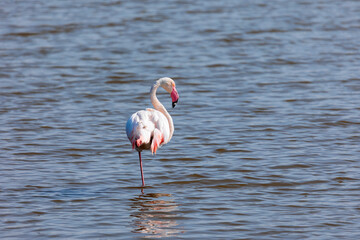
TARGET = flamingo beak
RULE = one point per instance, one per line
(174, 97)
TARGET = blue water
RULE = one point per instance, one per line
(266, 142)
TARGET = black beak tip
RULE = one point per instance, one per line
(174, 104)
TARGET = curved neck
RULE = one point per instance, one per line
(158, 106)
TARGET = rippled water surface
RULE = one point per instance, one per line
(266, 142)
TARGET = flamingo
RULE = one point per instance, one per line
(151, 128)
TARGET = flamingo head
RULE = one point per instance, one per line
(169, 85)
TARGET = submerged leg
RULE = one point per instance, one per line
(141, 170)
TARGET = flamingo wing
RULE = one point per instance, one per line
(148, 129)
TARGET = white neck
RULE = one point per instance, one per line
(158, 106)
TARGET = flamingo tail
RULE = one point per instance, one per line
(158, 138)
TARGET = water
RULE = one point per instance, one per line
(266, 142)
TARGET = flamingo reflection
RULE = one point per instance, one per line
(154, 215)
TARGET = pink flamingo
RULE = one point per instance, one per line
(151, 128)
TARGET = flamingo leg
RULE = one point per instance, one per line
(141, 170)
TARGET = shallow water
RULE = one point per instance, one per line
(266, 142)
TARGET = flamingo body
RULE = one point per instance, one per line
(151, 128)
(148, 129)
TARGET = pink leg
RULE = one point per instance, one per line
(141, 169)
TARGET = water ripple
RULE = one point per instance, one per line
(267, 122)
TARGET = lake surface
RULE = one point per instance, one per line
(267, 129)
